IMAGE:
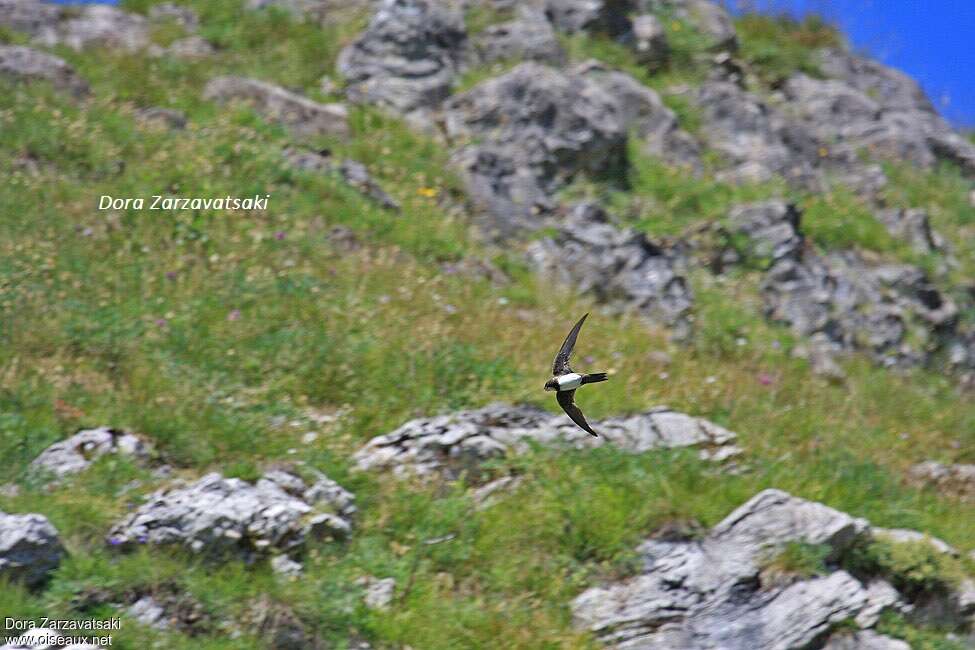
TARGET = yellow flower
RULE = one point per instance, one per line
(428, 192)
(823, 152)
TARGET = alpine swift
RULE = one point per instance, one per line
(565, 381)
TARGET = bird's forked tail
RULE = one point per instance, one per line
(594, 377)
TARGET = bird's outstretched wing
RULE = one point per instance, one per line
(566, 400)
(561, 365)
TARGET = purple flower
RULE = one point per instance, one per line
(279, 235)
(765, 379)
(115, 541)
(142, 539)
(234, 315)
(161, 322)
(171, 275)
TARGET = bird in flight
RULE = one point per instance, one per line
(565, 381)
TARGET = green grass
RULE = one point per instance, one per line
(211, 332)
(777, 46)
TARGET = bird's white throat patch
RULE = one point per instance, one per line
(570, 381)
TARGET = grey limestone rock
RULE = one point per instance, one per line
(526, 134)
(29, 548)
(301, 115)
(76, 453)
(224, 517)
(25, 64)
(455, 442)
(620, 268)
(352, 172)
(958, 480)
(529, 37)
(98, 26)
(407, 58)
(707, 594)
(29, 16)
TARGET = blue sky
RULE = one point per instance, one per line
(932, 40)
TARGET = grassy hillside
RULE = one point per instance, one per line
(221, 336)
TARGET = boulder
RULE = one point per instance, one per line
(450, 444)
(98, 26)
(529, 37)
(957, 480)
(407, 58)
(222, 517)
(353, 173)
(708, 593)
(30, 548)
(620, 268)
(301, 115)
(26, 64)
(644, 114)
(593, 16)
(526, 134)
(29, 16)
(76, 453)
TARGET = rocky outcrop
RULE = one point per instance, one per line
(351, 172)
(301, 115)
(98, 26)
(620, 268)
(593, 16)
(644, 114)
(29, 548)
(221, 517)
(407, 58)
(754, 139)
(891, 311)
(868, 107)
(526, 134)
(712, 593)
(29, 16)
(76, 453)
(956, 480)
(450, 444)
(529, 37)
(25, 64)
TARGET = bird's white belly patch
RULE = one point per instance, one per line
(569, 381)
